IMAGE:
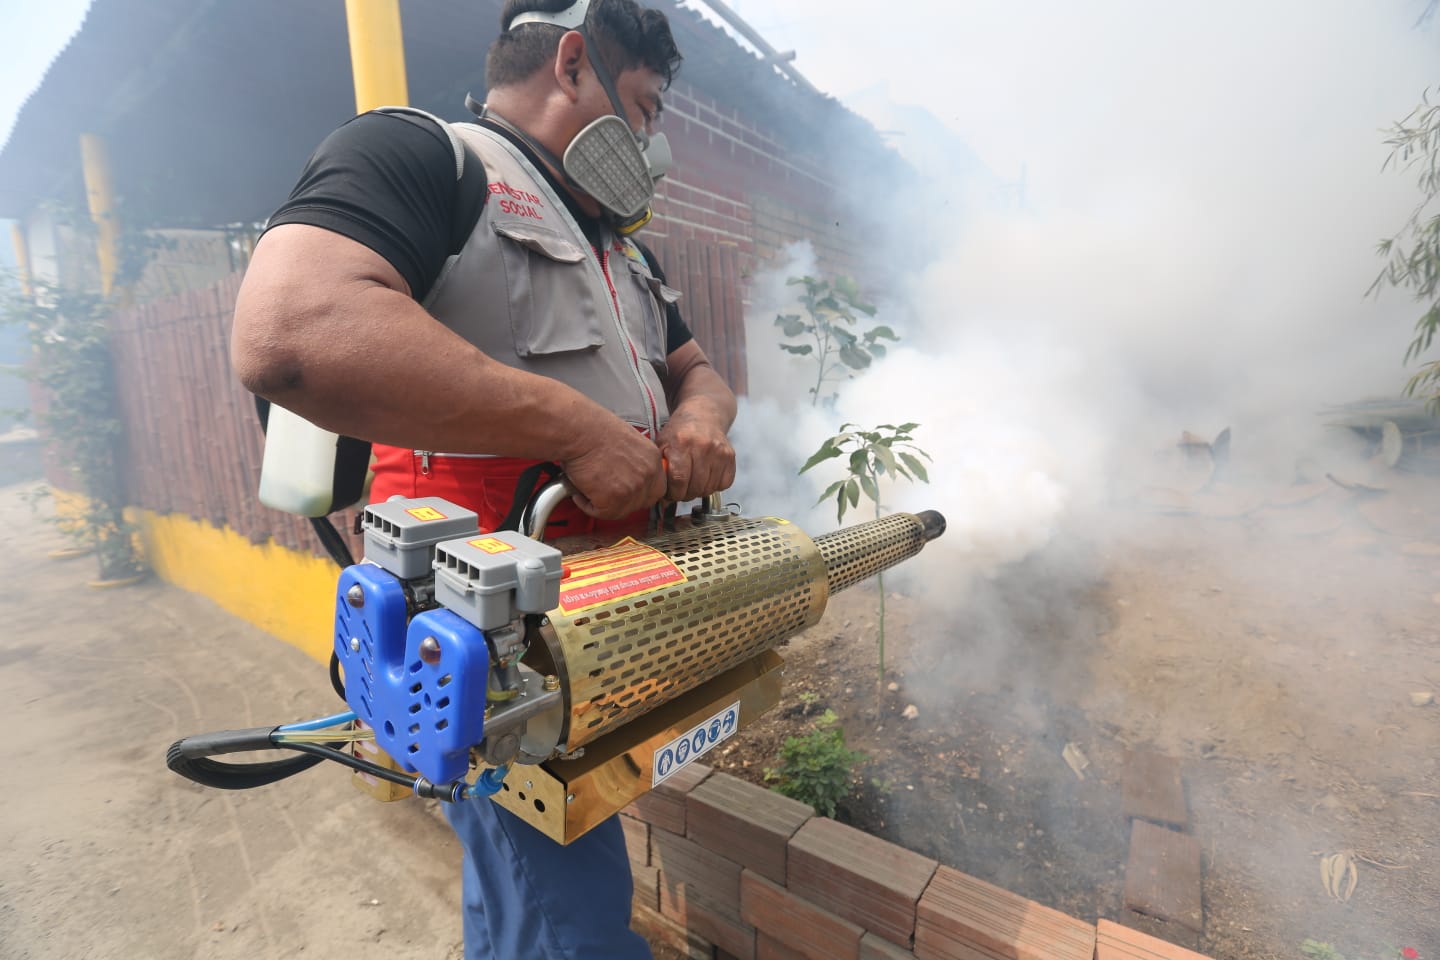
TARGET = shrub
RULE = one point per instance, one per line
(817, 768)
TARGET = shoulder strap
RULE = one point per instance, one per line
(469, 177)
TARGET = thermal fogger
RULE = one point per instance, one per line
(563, 687)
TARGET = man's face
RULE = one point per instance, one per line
(639, 90)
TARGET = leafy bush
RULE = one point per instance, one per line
(828, 331)
(69, 335)
(816, 768)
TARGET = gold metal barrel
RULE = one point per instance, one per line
(741, 586)
(860, 552)
(745, 584)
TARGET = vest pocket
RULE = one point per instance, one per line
(654, 297)
(552, 298)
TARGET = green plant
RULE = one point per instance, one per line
(873, 454)
(829, 331)
(1413, 254)
(69, 337)
(817, 768)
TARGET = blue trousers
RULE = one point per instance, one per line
(526, 897)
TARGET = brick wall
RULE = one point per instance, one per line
(735, 183)
(726, 869)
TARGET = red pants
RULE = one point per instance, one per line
(483, 484)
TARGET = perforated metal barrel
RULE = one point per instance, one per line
(858, 553)
(747, 584)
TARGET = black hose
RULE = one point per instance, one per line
(319, 751)
(336, 680)
(333, 542)
(190, 758)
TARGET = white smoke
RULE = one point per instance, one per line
(1204, 205)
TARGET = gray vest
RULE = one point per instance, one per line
(529, 291)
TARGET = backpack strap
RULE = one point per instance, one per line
(472, 187)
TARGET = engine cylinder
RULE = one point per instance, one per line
(739, 587)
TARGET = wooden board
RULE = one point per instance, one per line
(1162, 878)
(1153, 789)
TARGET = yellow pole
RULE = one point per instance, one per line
(377, 54)
(22, 256)
(95, 161)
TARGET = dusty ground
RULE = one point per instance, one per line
(107, 855)
(1270, 640)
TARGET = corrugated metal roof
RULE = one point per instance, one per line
(211, 107)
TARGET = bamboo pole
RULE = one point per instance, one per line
(100, 192)
(377, 54)
(21, 243)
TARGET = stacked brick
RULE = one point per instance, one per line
(738, 872)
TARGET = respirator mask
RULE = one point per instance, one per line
(607, 159)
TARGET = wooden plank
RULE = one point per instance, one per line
(1153, 788)
(859, 877)
(664, 807)
(751, 824)
(1162, 877)
(795, 922)
(1116, 942)
(963, 918)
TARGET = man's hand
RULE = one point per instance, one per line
(700, 457)
(617, 472)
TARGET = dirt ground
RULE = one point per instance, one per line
(1269, 640)
(107, 855)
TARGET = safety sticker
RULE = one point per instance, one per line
(491, 545)
(627, 569)
(695, 743)
(426, 513)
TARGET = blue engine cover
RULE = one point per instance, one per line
(426, 716)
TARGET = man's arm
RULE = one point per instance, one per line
(702, 408)
(326, 327)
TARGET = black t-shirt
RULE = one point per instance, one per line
(388, 181)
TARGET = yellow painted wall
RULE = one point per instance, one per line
(281, 591)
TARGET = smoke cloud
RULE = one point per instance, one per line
(1200, 191)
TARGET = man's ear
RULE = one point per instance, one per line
(570, 61)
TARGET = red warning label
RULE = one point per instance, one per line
(627, 569)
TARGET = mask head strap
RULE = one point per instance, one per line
(573, 18)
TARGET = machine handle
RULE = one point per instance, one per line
(537, 513)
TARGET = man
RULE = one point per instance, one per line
(545, 334)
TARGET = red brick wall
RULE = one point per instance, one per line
(745, 873)
(734, 183)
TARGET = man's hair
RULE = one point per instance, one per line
(626, 34)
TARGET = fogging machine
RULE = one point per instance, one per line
(562, 686)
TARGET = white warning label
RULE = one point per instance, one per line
(695, 742)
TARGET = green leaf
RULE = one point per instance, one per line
(881, 332)
(907, 427)
(803, 350)
(792, 325)
(876, 350)
(841, 503)
(885, 456)
(867, 484)
(829, 492)
(853, 357)
(827, 451)
(852, 491)
(915, 466)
